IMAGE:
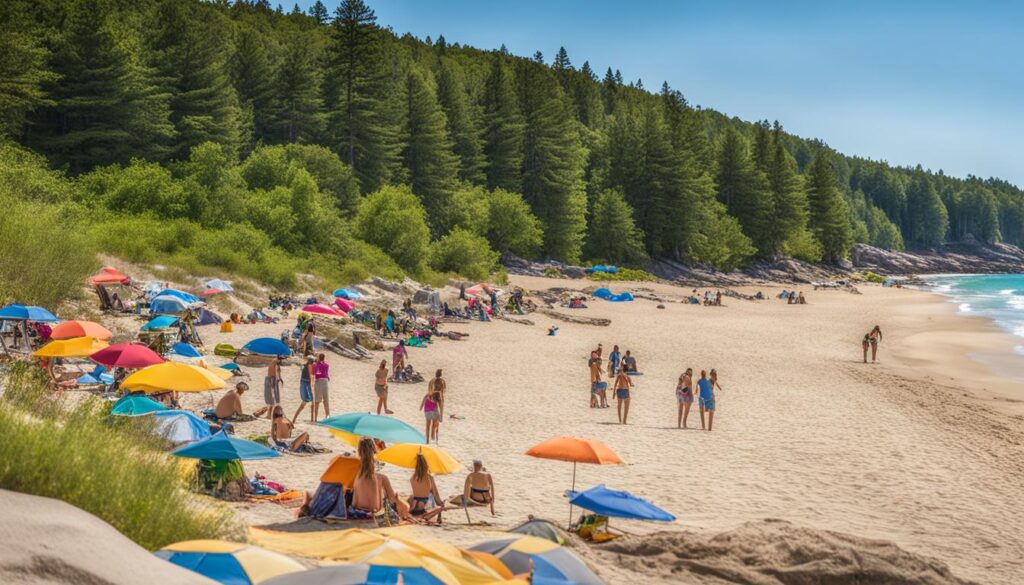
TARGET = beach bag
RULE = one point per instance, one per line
(329, 502)
(226, 327)
(225, 350)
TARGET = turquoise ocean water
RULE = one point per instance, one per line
(999, 297)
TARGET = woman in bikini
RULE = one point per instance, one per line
(380, 386)
(684, 395)
(369, 489)
(478, 489)
(281, 432)
(424, 489)
(622, 385)
(865, 344)
(876, 338)
(440, 386)
(431, 407)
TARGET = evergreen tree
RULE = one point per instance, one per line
(503, 130)
(295, 114)
(613, 236)
(428, 153)
(24, 71)
(609, 91)
(744, 190)
(189, 49)
(587, 95)
(319, 12)
(563, 68)
(829, 216)
(788, 199)
(762, 149)
(253, 77)
(553, 161)
(463, 122)
(927, 217)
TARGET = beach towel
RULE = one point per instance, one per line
(282, 497)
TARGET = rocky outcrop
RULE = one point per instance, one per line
(780, 270)
(516, 265)
(967, 257)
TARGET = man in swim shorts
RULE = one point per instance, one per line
(707, 399)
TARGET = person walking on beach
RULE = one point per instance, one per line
(684, 395)
(305, 388)
(598, 396)
(707, 400)
(440, 386)
(380, 386)
(866, 344)
(876, 338)
(321, 379)
(272, 385)
(398, 355)
(622, 385)
(431, 407)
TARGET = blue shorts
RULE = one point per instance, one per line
(305, 391)
(708, 404)
(622, 393)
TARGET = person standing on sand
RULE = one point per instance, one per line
(876, 338)
(684, 395)
(305, 388)
(613, 361)
(866, 344)
(440, 386)
(398, 355)
(707, 400)
(598, 395)
(622, 385)
(380, 386)
(431, 407)
(322, 377)
(272, 385)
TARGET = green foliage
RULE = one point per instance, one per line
(802, 245)
(744, 190)
(511, 227)
(624, 274)
(829, 214)
(503, 129)
(394, 220)
(24, 72)
(875, 278)
(927, 217)
(463, 121)
(464, 253)
(71, 453)
(613, 237)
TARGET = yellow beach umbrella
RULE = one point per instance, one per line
(404, 455)
(77, 347)
(216, 371)
(346, 437)
(229, 562)
(172, 376)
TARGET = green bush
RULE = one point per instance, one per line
(875, 278)
(115, 472)
(553, 272)
(463, 253)
(630, 274)
(393, 219)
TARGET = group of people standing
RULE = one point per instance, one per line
(705, 397)
(871, 341)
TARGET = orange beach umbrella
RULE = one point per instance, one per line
(577, 450)
(69, 329)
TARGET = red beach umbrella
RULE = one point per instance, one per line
(127, 355)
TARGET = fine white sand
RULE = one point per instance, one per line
(922, 449)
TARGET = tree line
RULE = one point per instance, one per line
(184, 102)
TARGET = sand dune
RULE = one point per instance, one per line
(922, 449)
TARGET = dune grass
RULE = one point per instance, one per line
(120, 473)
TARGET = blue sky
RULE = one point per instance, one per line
(935, 83)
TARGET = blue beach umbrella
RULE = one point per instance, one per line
(185, 350)
(135, 405)
(267, 346)
(230, 563)
(161, 322)
(167, 304)
(180, 426)
(520, 552)
(347, 293)
(382, 428)
(18, 312)
(223, 447)
(189, 298)
(412, 573)
(231, 367)
(616, 504)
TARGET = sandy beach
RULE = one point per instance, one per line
(922, 449)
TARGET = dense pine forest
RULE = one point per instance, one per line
(263, 141)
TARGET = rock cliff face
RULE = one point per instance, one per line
(951, 258)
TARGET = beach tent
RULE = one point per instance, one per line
(618, 504)
(189, 298)
(621, 297)
(399, 571)
(602, 293)
(347, 293)
(18, 312)
(267, 346)
(602, 268)
(161, 322)
(109, 275)
(174, 376)
(180, 426)
(540, 529)
(185, 350)
(78, 347)
(135, 405)
(229, 563)
(382, 428)
(126, 355)
(520, 553)
(344, 305)
(163, 304)
(207, 317)
(223, 447)
(220, 285)
(69, 329)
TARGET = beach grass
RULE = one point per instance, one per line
(624, 274)
(119, 473)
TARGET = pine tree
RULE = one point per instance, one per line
(927, 218)
(609, 91)
(189, 52)
(612, 234)
(743, 188)
(563, 68)
(319, 12)
(24, 72)
(587, 95)
(295, 114)
(761, 150)
(252, 74)
(829, 215)
(553, 162)
(463, 122)
(686, 128)
(503, 130)
(428, 153)
(789, 201)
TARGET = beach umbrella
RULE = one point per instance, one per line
(229, 562)
(342, 469)
(577, 450)
(167, 304)
(78, 347)
(540, 529)
(210, 292)
(617, 504)
(347, 293)
(267, 346)
(180, 426)
(185, 350)
(109, 275)
(404, 455)
(519, 553)
(135, 405)
(382, 428)
(18, 312)
(188, 298)
(220, 285)
(321, 309)
(344, 305)
(479, 289)
(391, 568)
(219, 371)
(231, 367)
(97, 376)
(172, 376)
(224, 447)
(161, 322)
(126, 355)
(69, 329)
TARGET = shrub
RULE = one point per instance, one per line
(464, 253)
(630, 274)
(118, 473)
(393, 219)
(553, 272)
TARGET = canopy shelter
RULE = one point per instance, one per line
(161, 322)
(218, 284)
(224, 447)
(577, 450)
(229, 562)
(167, 305)
(267, 346)
(109, 275)
(188, 298)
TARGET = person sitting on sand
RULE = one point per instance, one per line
(370, 489)
(684, 395)
(430, 405)
(629, 363)
(380, 386)
(281, 432)
(230, 405)
(425, 501)
(622, 385)
(478, 489)
(707, 400)
(876, 338)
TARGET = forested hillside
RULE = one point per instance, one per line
(236, 135)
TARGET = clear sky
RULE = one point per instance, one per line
(936, 83)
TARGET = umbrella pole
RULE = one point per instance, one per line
(573, 489)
